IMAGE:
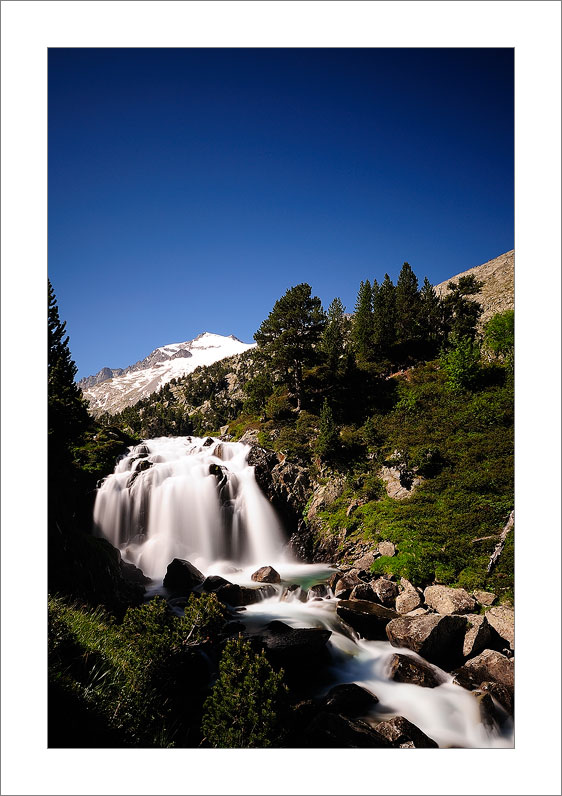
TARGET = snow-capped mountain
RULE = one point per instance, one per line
(112, 389)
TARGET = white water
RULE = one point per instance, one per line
(178, 509)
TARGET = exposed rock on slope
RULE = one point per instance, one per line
(497, 294)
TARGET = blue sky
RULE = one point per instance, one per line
(189, 188)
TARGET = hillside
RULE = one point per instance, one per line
(497, 294)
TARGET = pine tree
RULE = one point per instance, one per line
(385, 316)
(407, 306)
(430, 317)
(362, 329)
(246, 706)
(328, 437)
(289, 335)
(68, 414)
(461, 314)
(333, 340)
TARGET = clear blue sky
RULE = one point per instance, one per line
(188, 189)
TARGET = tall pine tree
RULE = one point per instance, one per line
(333, 340)
(461, 314)
(362, 329)
(385, 317)
(407, 306)
(288, 336)
(430, 317)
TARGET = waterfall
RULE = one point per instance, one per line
(185, 497)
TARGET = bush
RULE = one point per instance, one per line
(248, 701)
(462, 365)
(278, 405)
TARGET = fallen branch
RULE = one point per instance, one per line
(501, 544)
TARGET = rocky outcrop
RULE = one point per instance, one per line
(445, 600)
(396, 485)
(405, 669)
(367, 618)
(404, 735)
(439, 639)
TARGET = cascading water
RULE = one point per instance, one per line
(184, 497)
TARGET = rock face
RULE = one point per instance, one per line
(445, 600)
(503, 621)
(408, 601)
(478, 635)
(266, 575)
(439, 639)
(182, 577)
(403, 734)
(368, 619)
(488, 666)
(405, 669)
(350, 699)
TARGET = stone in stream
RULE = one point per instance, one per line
(367, 618)
(489, 665)
(234, 595)
(489, 716)
(500, 692)
(299, 651)
(438, 639)
(445, 600)
(213, 583)
(334, 731)
(266, 575)
(385, 590)
(350, 699)
(405, 669)
(345, 584)
(182, 577)
(403, 734)
(294, 592)
(319, 590)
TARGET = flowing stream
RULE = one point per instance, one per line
(197, 499)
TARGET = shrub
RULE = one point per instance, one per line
(247, 703)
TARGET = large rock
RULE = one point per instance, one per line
(363, 591)
(500, 692)
(439, 639)
(489, 665)
(366, 561)
(502, 619)
(182, 577)
(333, 731)
(385, 590)
(367, 618)
(484, 597)
(405, 669)
(266, 575)
(445, 600)
(478, 635)
(297, 650)
(408, 601)
(403, 734)
(234, 595)
(133, 574)
(318, 592)
(350, 699)
(345, 585)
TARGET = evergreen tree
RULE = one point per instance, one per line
(499, 334)
(68, 414)
(385, 316)
(333, 340)
(461, 314)
(246, 706)
(362, 329)
(407, 306)
(289, 335)
(430, 314)
(328, 437)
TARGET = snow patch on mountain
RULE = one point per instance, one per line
(171, 361)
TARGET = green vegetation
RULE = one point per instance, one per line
(133, 676)
(248, 702)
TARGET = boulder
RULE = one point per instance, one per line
(294, 592)
(334, 731)
(439, 639)
(408, 601)
(405, 669)
(266, 575)
(345, 585)
(319, 590)
(386, 548)
(489, 715)
(488, 666)
(350, 699)
(407, 586)
(502, 619)
(478, 635)
(500, 692)
(234, 595)
(366, 561)
(385, 590)
(182, 577)
(367, 618)
(132, 574)
(484, 597)
(363, 591)
(417, 612)
(445, 600)
(208, 441)
(299, 651)
(403, 734)
(213, 583)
